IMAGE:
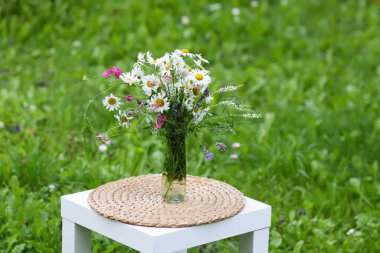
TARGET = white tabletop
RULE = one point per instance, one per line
(254, 216)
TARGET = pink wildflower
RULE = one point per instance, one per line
(129, 98)
(160, 121)
(114, 70)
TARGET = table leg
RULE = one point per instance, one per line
(254, 242)
(75, 238)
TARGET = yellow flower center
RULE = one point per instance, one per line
(195, 91)
(186, 51)
(124, 119)
(160, 102)
(167, 67)
(154, 61)
(150, 84)
(199, 76)
(196, 109)
(111, 101)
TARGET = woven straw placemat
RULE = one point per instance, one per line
(138, 201)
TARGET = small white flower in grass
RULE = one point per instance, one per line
(102, 148)
(254, 3)
(111, 102)
(159, 103)
(234, 156)
(185, 20)
(350, 231)
(123, 119)
(51, 187)
(235, 11)
(215, 7)
(2, 125)
(150, 84)
(236, 145)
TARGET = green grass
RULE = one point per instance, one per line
(310, 67)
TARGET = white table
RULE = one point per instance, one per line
(78, 220)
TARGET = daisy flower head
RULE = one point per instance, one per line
(189, 103)
(184, 52)
(111, 102)
(128, 78)
(149, 84)
(140, 59)
(150, 59)
(159, 103)
(123, 119)
(163, 64)
(178, 62)
(201, 77)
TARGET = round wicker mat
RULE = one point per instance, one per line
(138, 201)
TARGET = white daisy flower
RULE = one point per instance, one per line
(184, 52)
(138, 72)
(163, 64)
(150, 59)
(140, 59)
(189, 103)
(178, 62)
(123, 119)
(111, 102)
(159, 103)
(201, 77)
(149, 84)
(128, 78)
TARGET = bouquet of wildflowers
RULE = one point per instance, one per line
(171, 95)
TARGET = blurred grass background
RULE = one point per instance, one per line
(311, 68)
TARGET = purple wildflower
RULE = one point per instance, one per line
(301, 212)
(221, 146)
(281, 220)
(209, 155)
(16, 128)
(128, 98)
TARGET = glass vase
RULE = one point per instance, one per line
(173, 187)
